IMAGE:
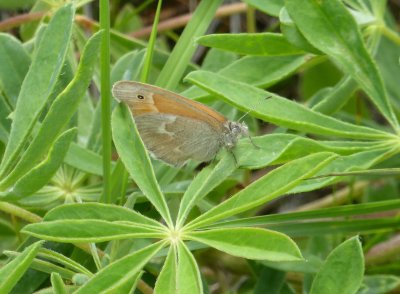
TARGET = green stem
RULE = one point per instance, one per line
(19, 212)
(105, 99)
(391, 35)
(150, 47)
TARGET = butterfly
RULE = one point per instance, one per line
(175, 129)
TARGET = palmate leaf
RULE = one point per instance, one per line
(60, 112)
(267, 188)
(36, 88)
(329, 27)
(280, 111)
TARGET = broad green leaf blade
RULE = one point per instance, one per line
(267, 188)
(379, 284)
(280, 148)
(293, 35)
(45, 266)
(326, 227)
(330, 27)
(136, 160)
(251, 243)
(166, 281)
(251, 44)
(84, 159)
(64, 262)
(271, 7)
(58, 284)
(278, 110)
(124, 269)
(70, 231)
(41, 174)
(337, 97)
(260, 71)
(347, 211)
(269, 280)
(36, 88)
(130, 285)
(15, 63)
(180, 57)
(342, 271)
(60, 112)
(99, 211)
(358, 161)
(209, 178)
(13, 271)
(128, 67)
(188, 277)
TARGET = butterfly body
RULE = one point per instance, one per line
(174, 128)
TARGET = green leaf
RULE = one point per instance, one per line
(71, 231)
(329, 26)
(16, 4)
(41, 174)
(99, 211)
(326, 227)
(58, 284)
(60, 112)
(293, 35)
(124, 269)
(45, 266)
(84, 159)
(209, 178)
(63, 261)
(167, 280)
(251, 243)
(280, 148)
(260, 71)
(342, 271)
(335, 98)
(269, 280)
(271, 7)
(250, 44)
(217, 59)
(188, 276)
(36, 88)
(359, 161)
(128, 67)
(379, 284)
(180, 57)
(278, 110)
(267, 188)
(15, 63)
(347, 211)
(136, 160)
(13, 271)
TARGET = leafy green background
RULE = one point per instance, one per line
(313, 208)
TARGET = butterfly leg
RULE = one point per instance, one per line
(252, 143)
(234, 156)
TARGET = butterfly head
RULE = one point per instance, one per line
(234, 130)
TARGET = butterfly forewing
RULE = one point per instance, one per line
(173, 128)
(175, 139)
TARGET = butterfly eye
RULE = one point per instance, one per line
(140, 97)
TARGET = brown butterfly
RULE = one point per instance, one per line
(174, 128)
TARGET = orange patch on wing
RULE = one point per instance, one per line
(181, 106)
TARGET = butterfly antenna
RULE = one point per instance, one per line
(252, 108)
